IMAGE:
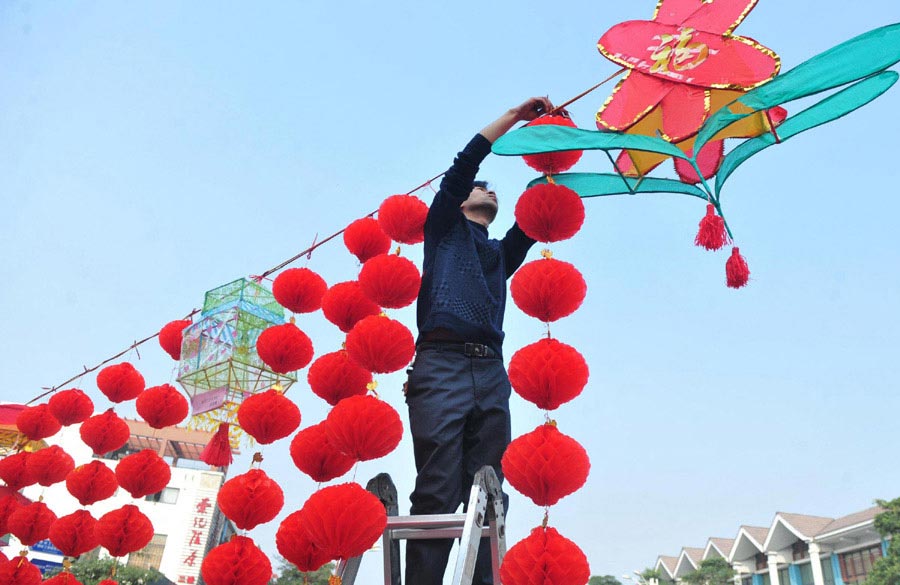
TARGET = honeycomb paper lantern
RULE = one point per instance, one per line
(345, 303)
(548, 373)
(19, 571)
(334, 376)
(124, 530)
(143, 473)
(74, 534)
(548, 289)
(314, 455)
(365, 239)
(545, 465)
(14, 470)
(236, 562)
(37, 422)
(31, 523)
(380, 344)
(545, 557)
(171, 335)
(390, 281)
(120, 382)
(550, 212)
(402, 217)
(293, 544)
(344, 520)
(8, 505)
(552, 163)
(71, 406)
(104, 432)
(284, 348)
(364, 427)
(299, 290)
(162, 406)
(268, 416)
(50, 465)
(251, 499)
(91, 482)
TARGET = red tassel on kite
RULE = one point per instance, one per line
(545, 557)
(218, 452)
(293, 544)
(345, 303)
(380, 344)
(19, 571)
(711, 234)
(162, 406)
(91, 482)
(314, 455)
(14, 471)
(104, 432)
(344, 520)
(548, 373)
(171, 335)
(299, 290)
(390, 280)
(551, 163)
(37, 422)
(251, 499)
(364, 427)
(120, 382)
(334, 376)
(70, 406)
(49, 466)
(365, 239)
(74, 534)
(549, 212)
(143, 473)
(124, 530)
(268, 416)
(402, 217)
(236, 562)
(548, 289)
(31, 523)
(737, 273)
(545, 465)
(284, 348)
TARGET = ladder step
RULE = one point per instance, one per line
(429, 533)
(427, 521)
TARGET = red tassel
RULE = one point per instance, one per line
(737, 273)
(712, 234)
(218, 452)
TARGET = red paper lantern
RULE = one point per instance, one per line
(19, 571)
(737, 273)
(345, 303)
(548, 373)
(268, 416)
(334, 376)
(344, 520)
(364, 427)
(365, 239)
(550, 212)
(293, 544)
(70, 406)
(37, 422)
(162, 406)
(284, 348)
(380, 344)
(545, 557)
(402, 217)
(390, 281)
(124, 530)
(711, 234)
(299, 290)
(236, 562)
(49, 466)
(251, 499)
(64, 578)
(91, 482)
(314, 455)
(120, 382)
(74, 534)
(8, 505)
(551, 163)
(545, 465)
(14, 470)
(104, 432)
(143, 473)
(171, 335)
(31, 523)
(548, 289)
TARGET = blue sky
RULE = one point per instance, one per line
(153, 151)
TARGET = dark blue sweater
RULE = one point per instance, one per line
(464, 272)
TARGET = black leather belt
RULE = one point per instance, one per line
(475, 350)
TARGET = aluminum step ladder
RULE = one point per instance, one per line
(483, 518)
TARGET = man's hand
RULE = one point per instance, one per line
(524, 112)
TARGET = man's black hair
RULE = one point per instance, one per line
(483, 184)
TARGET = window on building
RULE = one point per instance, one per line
(150, 556)
(784, 577)
(857, 564)
(800, 550)
(168, 495)
(827, 571)
(806, 574)
(762, 562)
(748, 580)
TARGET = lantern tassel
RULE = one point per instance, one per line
(218, 452)
(737, 273)
(711, 234)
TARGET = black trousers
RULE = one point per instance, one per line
(459, 420)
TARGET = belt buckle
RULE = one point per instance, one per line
(475, 350)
